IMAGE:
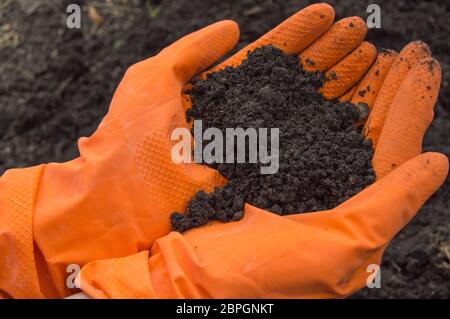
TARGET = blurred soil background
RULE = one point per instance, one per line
(56, 84)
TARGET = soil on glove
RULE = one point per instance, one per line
(56, 85)
(323, 158)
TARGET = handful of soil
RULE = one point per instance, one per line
(323, 157)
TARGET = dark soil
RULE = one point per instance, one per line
(324, 159)
(56, 85)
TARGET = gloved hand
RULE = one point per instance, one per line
(115, 200)
(320, 254)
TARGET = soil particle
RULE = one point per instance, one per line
(331, 76)
(324, 159)
(310, 62)
(363, 92)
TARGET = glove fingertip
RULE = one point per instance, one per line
(438, 165)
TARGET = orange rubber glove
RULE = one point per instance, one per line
(115, 200)
(321, 254)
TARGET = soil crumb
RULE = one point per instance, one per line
(323, 157)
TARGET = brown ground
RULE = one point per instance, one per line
(56, 84)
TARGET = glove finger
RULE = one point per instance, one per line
(346, 73)
(343, 37)
(197, 51)
(292, 35)
(408, 117)
(367, 89)
(407, 58)
(171, 68)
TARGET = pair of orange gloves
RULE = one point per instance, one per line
(108, 210)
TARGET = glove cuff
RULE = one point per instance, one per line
(18, 273)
